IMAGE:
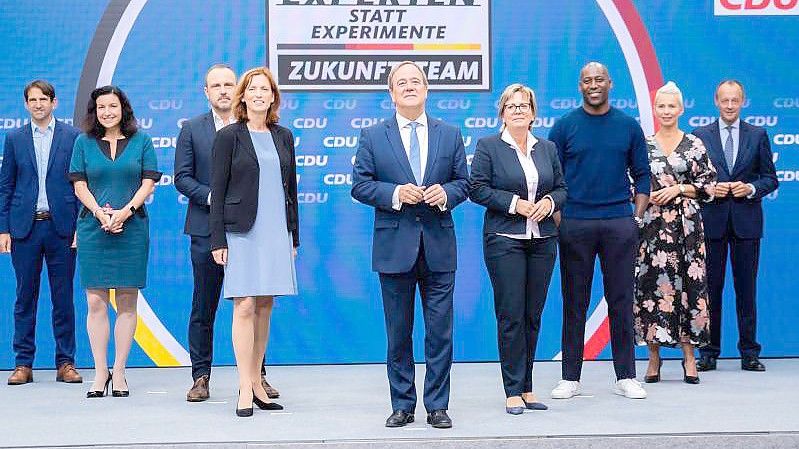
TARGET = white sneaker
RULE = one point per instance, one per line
(629, 388)
(566, 389)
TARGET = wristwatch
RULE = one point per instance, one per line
(132, 209)
(682, 189)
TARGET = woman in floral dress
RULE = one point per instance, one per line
(671, 304)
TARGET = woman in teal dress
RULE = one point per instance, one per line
(113, 170)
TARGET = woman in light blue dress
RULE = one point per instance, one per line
(254, 225)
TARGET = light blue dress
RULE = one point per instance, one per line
(261, 261)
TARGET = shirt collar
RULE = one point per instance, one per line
(50, 126)
(531, 140)
(735, 125)
(402, 122)
(218, 118)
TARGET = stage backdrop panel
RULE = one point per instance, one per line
(332, 61)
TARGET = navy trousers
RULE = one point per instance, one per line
(520, 271)
(615, 241)
(27, 256)
(208, 277)
(399, 293)
(744, 256)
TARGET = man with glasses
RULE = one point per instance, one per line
(412, 170)
(600, 148)
(38, 211)
(192, 178)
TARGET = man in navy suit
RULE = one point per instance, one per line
(38, 210)
(193, 178)
(412, 170)
(733, 220)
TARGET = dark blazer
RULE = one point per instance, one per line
(234, 182)
(497, 175)
(19, 182)
(754, 165)
(193, 171)
(380, 166)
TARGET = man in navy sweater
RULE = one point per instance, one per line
(600, 149)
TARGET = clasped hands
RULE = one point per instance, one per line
(111, 220)
(433, 195)
(737, 188)
(537, 211)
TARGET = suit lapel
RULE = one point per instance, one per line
(245, 141)
(744, 150)
(58, 138)
(282, 152)
(433, 143)
(393, 135)
(29, 143)
(209, 130)
(715, 150)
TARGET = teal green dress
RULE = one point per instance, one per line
(113, 260)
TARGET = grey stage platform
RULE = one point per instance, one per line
(345, 407)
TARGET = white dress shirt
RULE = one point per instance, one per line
(219, 124)
(531, 178)
(404, 125)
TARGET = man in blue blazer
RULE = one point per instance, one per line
(38, 210)
(733, 220)
(193, 179)
(412, 170)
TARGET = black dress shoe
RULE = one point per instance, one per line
(243, 412)
(100, 393)
(706, 363)
(399, 418)
(439, 419)
(656, 378)
(752, 364)
(119, 393)
(265, 405)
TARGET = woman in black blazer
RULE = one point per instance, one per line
(518, 178)
(253, 220)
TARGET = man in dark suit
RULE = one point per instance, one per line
(412, 170)
(193, 179)
(38, 210)
(733, 220)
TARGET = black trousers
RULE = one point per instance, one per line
(208, 277)
(399, 293)
(615, 241)
(744, 256)
(520, 272)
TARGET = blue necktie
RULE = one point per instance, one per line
(729, 148)
(415, 157)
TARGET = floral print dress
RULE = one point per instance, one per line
(671, 294)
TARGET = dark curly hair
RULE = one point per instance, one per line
(92, 125)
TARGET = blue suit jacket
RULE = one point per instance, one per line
(19, 182)
(380, 166)
(193, 171)
(497, 175)
(754, 164)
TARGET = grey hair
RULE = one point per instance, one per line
(670, 88)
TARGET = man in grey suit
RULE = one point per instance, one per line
(193, 179)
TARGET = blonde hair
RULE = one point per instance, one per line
(240, 107)
(670, 88)
(512, 89)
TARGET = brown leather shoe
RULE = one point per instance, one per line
(21, 375)
(199, 391)
(67, 373)
(271, 391)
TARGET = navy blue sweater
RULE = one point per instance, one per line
(597, 152)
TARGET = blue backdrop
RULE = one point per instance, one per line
(337, 318)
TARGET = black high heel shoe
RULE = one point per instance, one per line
(265, 405)
(120, 393)
(243, 412)
(656, 377)
(100, 393)
(688, 379)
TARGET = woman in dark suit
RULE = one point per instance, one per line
(254, 225)
(518, 178)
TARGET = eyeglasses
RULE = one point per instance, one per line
(524, 107)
